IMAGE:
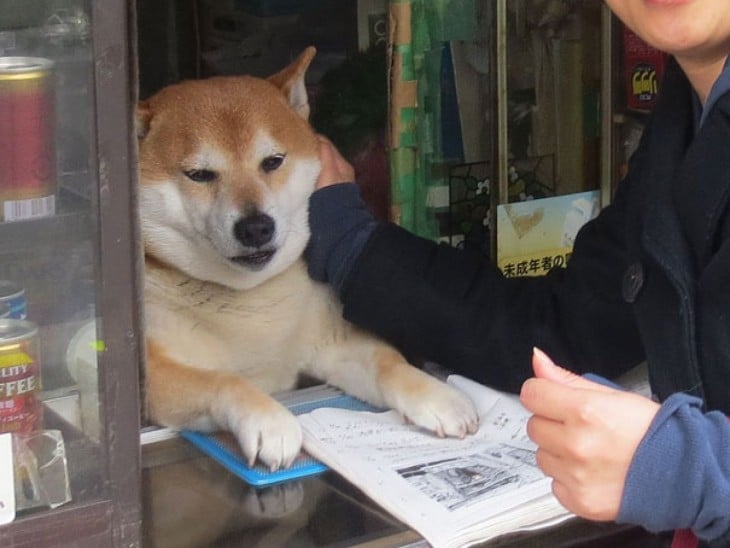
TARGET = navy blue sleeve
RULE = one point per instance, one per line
(454, 307)
(690, 489)
(340, 224)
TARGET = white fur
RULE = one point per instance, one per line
(198, 238)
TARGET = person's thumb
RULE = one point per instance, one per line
(545, 368)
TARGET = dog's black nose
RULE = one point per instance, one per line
(255, 230)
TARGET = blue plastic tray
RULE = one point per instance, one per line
(223, 446)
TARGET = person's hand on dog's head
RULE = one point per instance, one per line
(335, 169)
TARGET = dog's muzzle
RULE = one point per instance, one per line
(256, 232)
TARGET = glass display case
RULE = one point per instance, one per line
(69, 272)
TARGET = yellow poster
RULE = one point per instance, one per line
(537, 235)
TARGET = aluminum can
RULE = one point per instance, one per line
(27, 138)
(12, 295)
(20, 377)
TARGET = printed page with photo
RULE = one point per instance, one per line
(454, 492)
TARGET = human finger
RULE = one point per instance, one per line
(547, 434)
(326, 153)
(549, 399)
(590, 501)
(550, 464)
(334, 154)
(545, 368)
(333, 167)
(600, 504)
(581, 499)
(562, 493)
(344, 167)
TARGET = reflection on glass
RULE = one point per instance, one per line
(48, 259)
(41, 473)
(553, 93)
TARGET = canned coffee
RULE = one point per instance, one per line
(20, 378)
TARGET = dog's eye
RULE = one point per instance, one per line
(201, 175)
(270, 163)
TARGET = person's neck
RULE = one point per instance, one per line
(702, 74)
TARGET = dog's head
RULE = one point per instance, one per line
(227, 165)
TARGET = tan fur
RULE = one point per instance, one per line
(225, 326)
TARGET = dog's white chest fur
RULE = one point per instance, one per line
(268, 333)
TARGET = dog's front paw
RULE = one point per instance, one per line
(439, 408)
(271, 435)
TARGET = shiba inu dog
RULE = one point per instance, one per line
(227, 166)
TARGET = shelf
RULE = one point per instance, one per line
(20, 235)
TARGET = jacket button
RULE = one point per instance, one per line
(632, 282)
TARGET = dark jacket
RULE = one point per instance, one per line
(649, 279)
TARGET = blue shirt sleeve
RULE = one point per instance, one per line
(680, 475)
(340, 225)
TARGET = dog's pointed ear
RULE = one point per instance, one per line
(142, 118)
(291, 82)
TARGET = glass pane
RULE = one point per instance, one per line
(553, 94)
(48, 258)
(553, 116)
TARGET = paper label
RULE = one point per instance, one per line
(7, 482)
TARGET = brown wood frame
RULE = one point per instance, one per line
(115, 518)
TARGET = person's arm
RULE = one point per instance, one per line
(454, 307)
(680, 474)
(340, 223)
(615, 455)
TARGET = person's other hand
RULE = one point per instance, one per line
(586, 434)
(335, 168)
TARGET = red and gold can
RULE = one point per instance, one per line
(20, 377)
(27, 138)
